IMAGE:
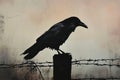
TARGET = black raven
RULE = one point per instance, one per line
(54, 37)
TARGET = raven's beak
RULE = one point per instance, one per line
(83, 25)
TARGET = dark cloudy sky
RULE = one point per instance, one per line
(26, 20)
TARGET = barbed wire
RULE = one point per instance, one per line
(97, 62)
(110, 78)
(36, 66)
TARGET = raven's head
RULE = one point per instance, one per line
(77, 22)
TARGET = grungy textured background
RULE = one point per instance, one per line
(26, 20)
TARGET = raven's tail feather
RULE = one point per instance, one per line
(32, 51)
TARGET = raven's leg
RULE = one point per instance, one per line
(58, 52)
(61, 51)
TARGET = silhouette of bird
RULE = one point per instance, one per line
(54, 37)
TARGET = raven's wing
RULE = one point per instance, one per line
(40, 42)
(51, 33)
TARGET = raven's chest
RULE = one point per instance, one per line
(60, 37)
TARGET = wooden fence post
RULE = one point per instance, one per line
(62, 66)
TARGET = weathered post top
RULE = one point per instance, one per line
(62, 66)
